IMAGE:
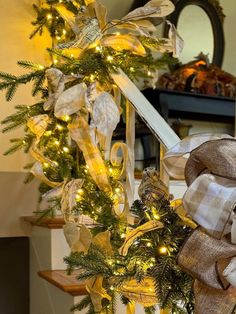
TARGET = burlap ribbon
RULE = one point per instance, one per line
(209, 200)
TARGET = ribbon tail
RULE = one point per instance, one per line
(215, 301)
(130, 139)
(130, 308)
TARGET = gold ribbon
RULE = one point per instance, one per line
(143, 292)
(138, 232)
(79, 131)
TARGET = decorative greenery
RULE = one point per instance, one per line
(154, 253)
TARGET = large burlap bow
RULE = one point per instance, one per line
(210, 199)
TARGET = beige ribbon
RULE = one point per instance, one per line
(37, 171)
(56, 85)
(130, 142)
(70, 101)
(176, 157)
(209, 200)
(68, 199)
(124, 42)
(105, 115)
(151, 9)
(79, 131)
(38, 124)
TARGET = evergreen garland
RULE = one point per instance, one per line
(144, 258)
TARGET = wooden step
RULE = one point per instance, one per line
(56, 222)
(67, 283)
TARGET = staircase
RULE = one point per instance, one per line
(52, 291)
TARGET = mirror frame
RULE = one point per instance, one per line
(215, 13)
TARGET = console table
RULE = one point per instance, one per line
(185, 105)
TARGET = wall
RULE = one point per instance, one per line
(15, 18)
(229, 7)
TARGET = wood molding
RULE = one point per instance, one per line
(47, 222)
(67, 283)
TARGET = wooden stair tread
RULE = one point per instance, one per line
(67, 283)
(56, 222)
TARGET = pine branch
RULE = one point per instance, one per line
(83, 304)
(11, 82)
(19, 144)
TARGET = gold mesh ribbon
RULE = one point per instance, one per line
(79, 131)
(143, 292)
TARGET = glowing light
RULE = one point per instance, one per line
(55, 163)
(66, 118)
(48, 133)
(98, 49)
(149, 244)
(64, 31)
(49, 16)
(72, 55)
(163, 250)
(87, 166)
(122, 235)
(92, 77)
(78, 197)
(117, 190)
(57, 142)
(109, 58)
(55, 61)
(149, 73)
(117, 33)
(24, 142)
(110, 170)
(59, 127)
(131, 69)
(65, 149)
(41, 67)
(157, 217)
(58, 38)
(46, 165)
(80, 191)
(111, 287)
(151, 264)
(72, 73)
(138, 262)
